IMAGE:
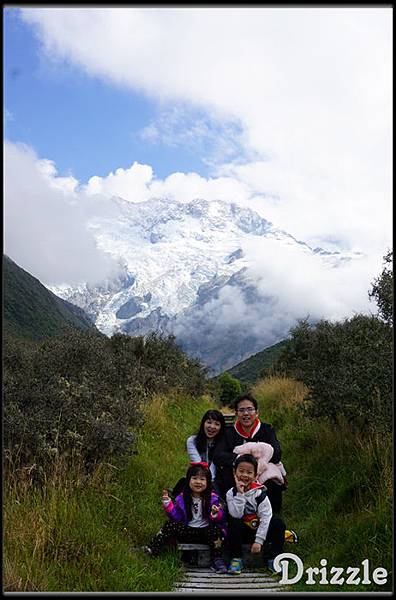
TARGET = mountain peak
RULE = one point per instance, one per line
(181, 263)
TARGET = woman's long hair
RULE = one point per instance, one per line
(187, 493)
(201, 439)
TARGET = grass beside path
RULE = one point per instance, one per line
(76, 536)
(340, 491)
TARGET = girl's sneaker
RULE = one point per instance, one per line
(149, 551)
(218, 565)
(235, 566)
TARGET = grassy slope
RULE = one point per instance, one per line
(31, 311)
(249, 370)
(340, 488)
(80, 537)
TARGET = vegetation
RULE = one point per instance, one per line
(33, 312)
(257, 366)
(80, 395)
(347, 366)
(79, 534)
(339, 498)
(95, 428)
(229, 388)
(382, 290)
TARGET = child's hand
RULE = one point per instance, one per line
(214, 510)
(239, 486)
(165, 496)
(256, 548)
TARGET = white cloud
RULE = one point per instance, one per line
(311, 88)
(131, 184)
(138, 183)
(305, 286)
(45, 222)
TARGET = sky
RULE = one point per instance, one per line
(286, 110)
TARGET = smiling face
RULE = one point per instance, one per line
(211, 428)
(246, 414)
(245, 472)
(198, 483)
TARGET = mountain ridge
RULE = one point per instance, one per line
(180, 265)
(32, 311)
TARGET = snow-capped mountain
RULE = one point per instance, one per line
(180, 263)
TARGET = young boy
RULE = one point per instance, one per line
(250, 515)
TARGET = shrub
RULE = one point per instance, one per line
(229, 388)
(80, 395)
(347, 367)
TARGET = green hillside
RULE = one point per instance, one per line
(251, 370)
(31, 311)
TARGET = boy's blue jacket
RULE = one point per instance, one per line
(177, 511)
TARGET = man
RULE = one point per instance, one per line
(247, 428)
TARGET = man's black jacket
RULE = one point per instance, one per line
(224, 457)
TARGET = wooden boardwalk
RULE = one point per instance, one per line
(201, 579)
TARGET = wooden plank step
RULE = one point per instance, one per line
(229, 592)
(229, 583)
(205, 547)
(204, 581)
(202, 576)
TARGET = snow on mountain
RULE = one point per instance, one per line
(176, 259)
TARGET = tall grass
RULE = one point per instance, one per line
(340, 486)
(78, 534)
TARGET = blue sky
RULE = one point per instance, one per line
(85, 125)
(285, 110)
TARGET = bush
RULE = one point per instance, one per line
(80, 395)
(347, 367)
(229, 388)
(382, 290)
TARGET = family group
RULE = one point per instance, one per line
(232, 492)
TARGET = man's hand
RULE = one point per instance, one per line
(256, 548)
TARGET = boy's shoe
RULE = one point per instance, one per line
(235, 566)
(291, 536)
(270, 566)
(218, 565)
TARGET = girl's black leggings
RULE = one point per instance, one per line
(211, 535)
(240, 533)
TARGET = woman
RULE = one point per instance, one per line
(201, 446)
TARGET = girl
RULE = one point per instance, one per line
(195, 516)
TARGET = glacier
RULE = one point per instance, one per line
(178, 264)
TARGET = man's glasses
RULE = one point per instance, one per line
(246, 410)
